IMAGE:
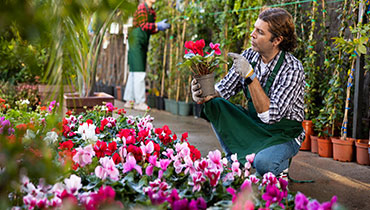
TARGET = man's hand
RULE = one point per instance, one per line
(241, 65)
(196, 93)
(163, 25)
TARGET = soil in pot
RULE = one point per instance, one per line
(307, 126)
(314, 148)
(325, 147)
(362, 149)
(343, 150)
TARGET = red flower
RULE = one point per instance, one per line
(89, 122)
(112, 147)
(100, 147)
(67, 145)
(103, 123)
(117, 158)
(121, 111)
(68, 113)
(184, 137)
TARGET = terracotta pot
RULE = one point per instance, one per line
(314, 144)
(307, 126)
(362, 153)
(207, 84)
(73, 101)
(325, 147)
(343, 150)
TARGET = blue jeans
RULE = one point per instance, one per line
(274, 159)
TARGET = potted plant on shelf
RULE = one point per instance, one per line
(76, 48)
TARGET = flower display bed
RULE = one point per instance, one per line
(121, 161)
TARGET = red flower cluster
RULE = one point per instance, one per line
(101, 149)
(195, 47)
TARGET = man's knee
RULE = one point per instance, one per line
(264, 164)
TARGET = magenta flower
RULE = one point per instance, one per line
(174, 196)
(215, 157)
(216, 48)
(214, 176)
(272, 195)
(180, 204)
(300, 202)
(130, 164)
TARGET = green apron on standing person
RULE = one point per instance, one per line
(139, 42)
(242, 131)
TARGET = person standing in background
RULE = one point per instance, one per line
(143, 26)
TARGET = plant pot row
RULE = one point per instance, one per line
(334, 147)
(181, 108)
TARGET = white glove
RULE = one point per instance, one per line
(241, 65)
(196, 91)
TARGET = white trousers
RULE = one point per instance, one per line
(135, 87)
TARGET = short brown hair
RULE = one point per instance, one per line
(280, 24)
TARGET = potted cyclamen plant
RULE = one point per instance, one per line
(202, 64)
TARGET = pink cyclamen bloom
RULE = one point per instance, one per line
(247, 184)
(214, 176)
(216, 48)
(148, 148)
(235, 169)
(198, 179)
(84, 155)
(232, 191)
(73, 184)
(130, 164)
(254, 179)
(108, 169)
(250, 158)
(215, 157)
(164, 163)
(269, 178)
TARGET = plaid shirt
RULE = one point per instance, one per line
(141, 19)
(286, 92)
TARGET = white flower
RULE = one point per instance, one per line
(51, 137)
(73, 184)
(26, 101)
(87, 132)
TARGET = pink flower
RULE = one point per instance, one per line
(130, 164)
(148, 148)
(84, 155)
(232, 191)
(216, 48)
(214, 176)
(215, 157)
(250, 158)
(108, 169)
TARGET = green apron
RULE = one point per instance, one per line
(242, 131)
(139, 41)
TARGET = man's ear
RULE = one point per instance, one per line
(277, 40)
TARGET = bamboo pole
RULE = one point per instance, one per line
(349, 85)
(164, 64)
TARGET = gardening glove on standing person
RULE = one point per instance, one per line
(242, 66)
(163, 25)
